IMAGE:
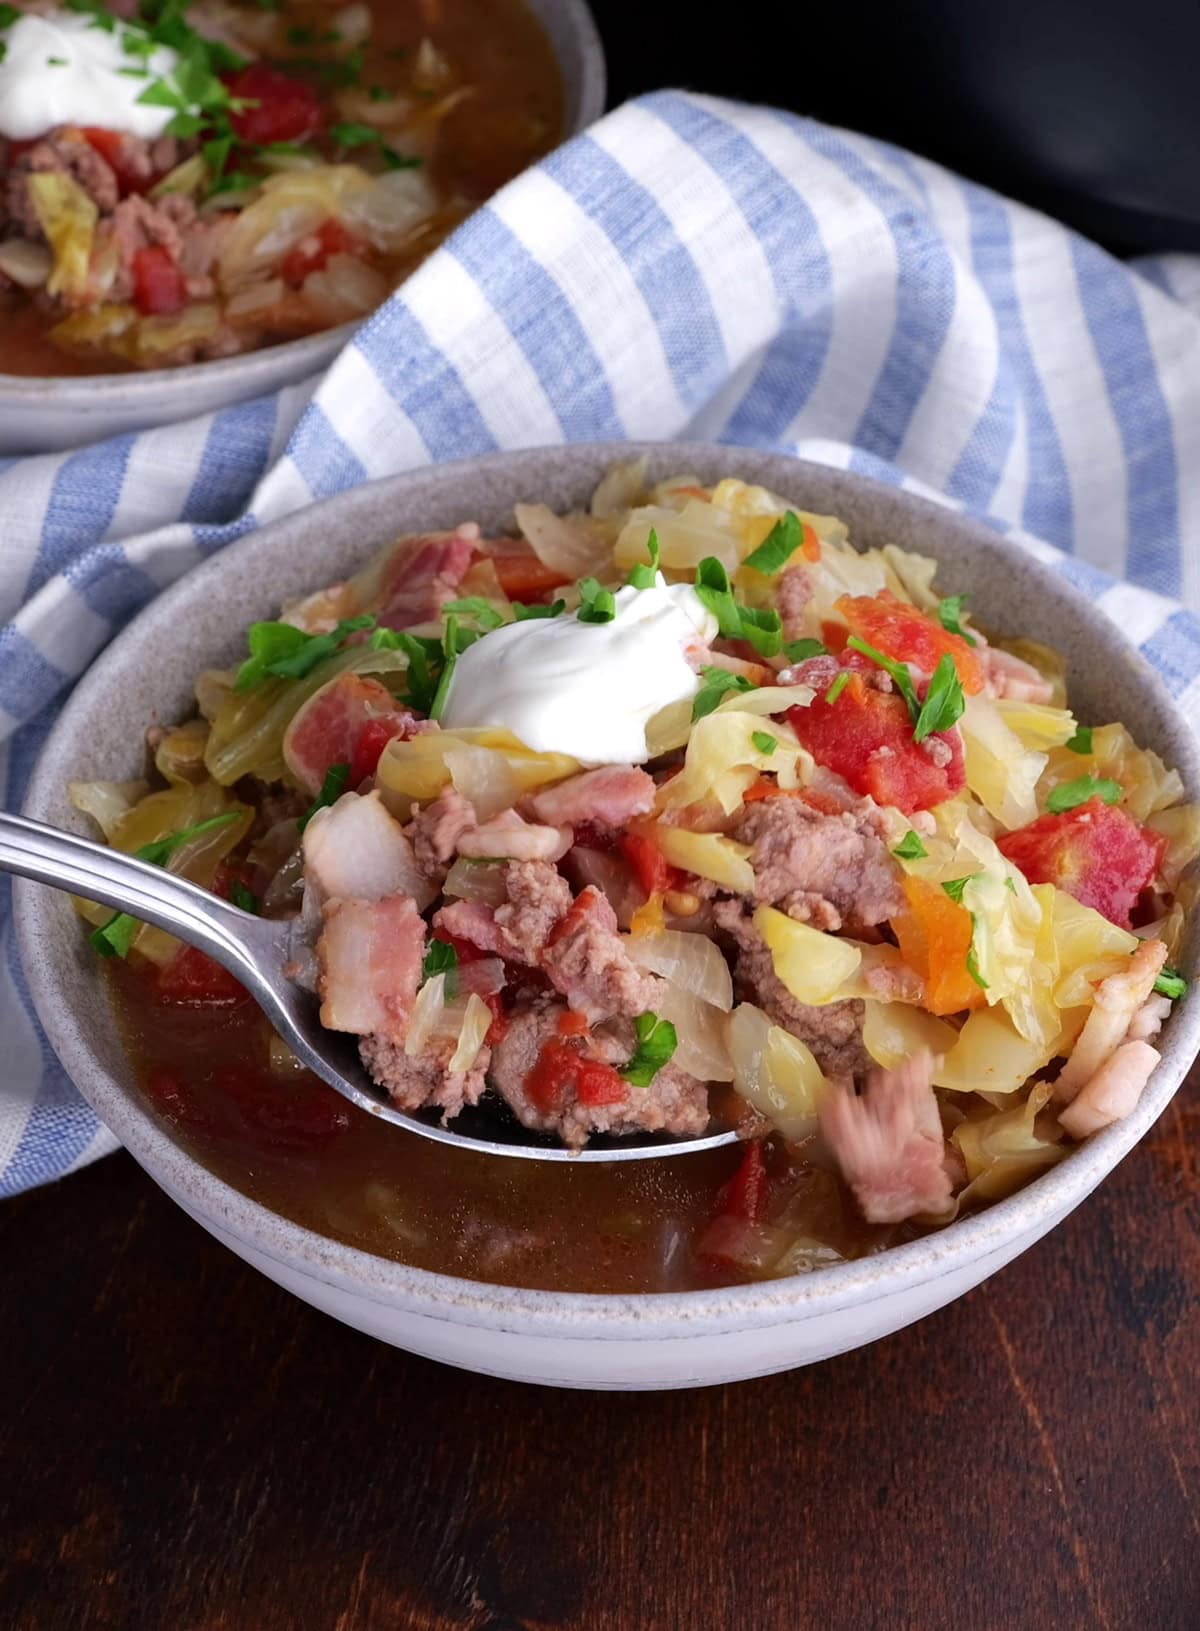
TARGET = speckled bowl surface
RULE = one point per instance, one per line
(46, 415)
(628, 1341)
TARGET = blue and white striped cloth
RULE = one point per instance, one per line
(687, 268)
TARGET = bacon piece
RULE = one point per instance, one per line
(888, 1142)
(329, 728)
(607, 798)
(422, 573)
(355, 850)
(507, 837)
(1112, 1092)
(369, 958)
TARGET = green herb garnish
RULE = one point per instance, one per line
(762, 629)
(950, 613)
(1081, 742)
(764, 741)
(332, 789)
(441, 958)
(717, 684)
(643, 575)
(799, 651)
(522, 613)
(596, 604)
(656, 1042)
(244, 898)
(114, 938)
(838, 686)
(944, 703)
(1171, 983)
(910, 847)
(954, 888)
(1072, 794)
(778, 547)
(282, 651)
(475, 606)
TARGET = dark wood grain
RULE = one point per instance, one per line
(185, 1446)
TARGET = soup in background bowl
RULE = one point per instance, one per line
(198, 203)
(404, 1238)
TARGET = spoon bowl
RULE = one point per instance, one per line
(256, 951)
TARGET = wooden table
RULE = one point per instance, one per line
(187, 1448)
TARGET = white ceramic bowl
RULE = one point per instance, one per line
(571, 1340)
(47, 415)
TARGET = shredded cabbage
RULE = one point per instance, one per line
(68, 218)
(692, 962)
(723, 760)
(1001, 771)
(813, 965)
(1004, 1150)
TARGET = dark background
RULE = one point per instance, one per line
(1088, 109)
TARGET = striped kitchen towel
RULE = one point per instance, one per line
(688, 267)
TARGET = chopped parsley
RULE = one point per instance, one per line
(643, 575)
(114, 938)
(944, 700)
(451, 647)
(910, 847)
(1171, 983)
(954, 888)
(332, 789)
(1081, 742)
(476, 607)
(244, 898)
(522, 613)
(441, 958)
(950, 611)
(596, 604)
(9, 15)
(973, 962)
(57, 62)
(425, 657)
(762, 629)
(778, 547)
(716, 685)
(764, 741)
(838, 686)
(656, 1042)
(799, 651)
(282, 651)
(1072, 794)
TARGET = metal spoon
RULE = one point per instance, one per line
(255, 950)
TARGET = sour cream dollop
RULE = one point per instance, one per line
(587, 689)
(65, 70)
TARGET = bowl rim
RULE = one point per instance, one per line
(307, 352)
(897, 1270)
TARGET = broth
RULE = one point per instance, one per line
(628, 1227)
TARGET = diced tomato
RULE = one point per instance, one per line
(159, 286)
(935, 938)
(169, 1096)
(501, 1024)
(373, 738)
(311, 253)
(745, 1195)
(865, 736)
(558, 1065)
(654, 872)
(114, 148)
(589, 836)
(907, 635)
(193, 980)
(524, 577)
(348, 721)
(583, 903)
(1097, 853)
(763, 788)
(298, 1116)
(286, 109)
(811, 547)
(572, 1024)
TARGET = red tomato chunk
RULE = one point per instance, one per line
(312, 253)
(1097, 853)
(159, 286)
(866, 737)
(559, 1065)
(284, 110)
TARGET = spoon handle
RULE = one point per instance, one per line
(150, 893)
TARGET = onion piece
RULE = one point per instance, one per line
(691, 962)
(476, 1023)
(106, 802)
(427, 1011)
(482, 881)
(27, 264)
(702, 1048)
(485, 977)
(708, 855)
(483, 777)
(774, 1071)
(574, 545)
